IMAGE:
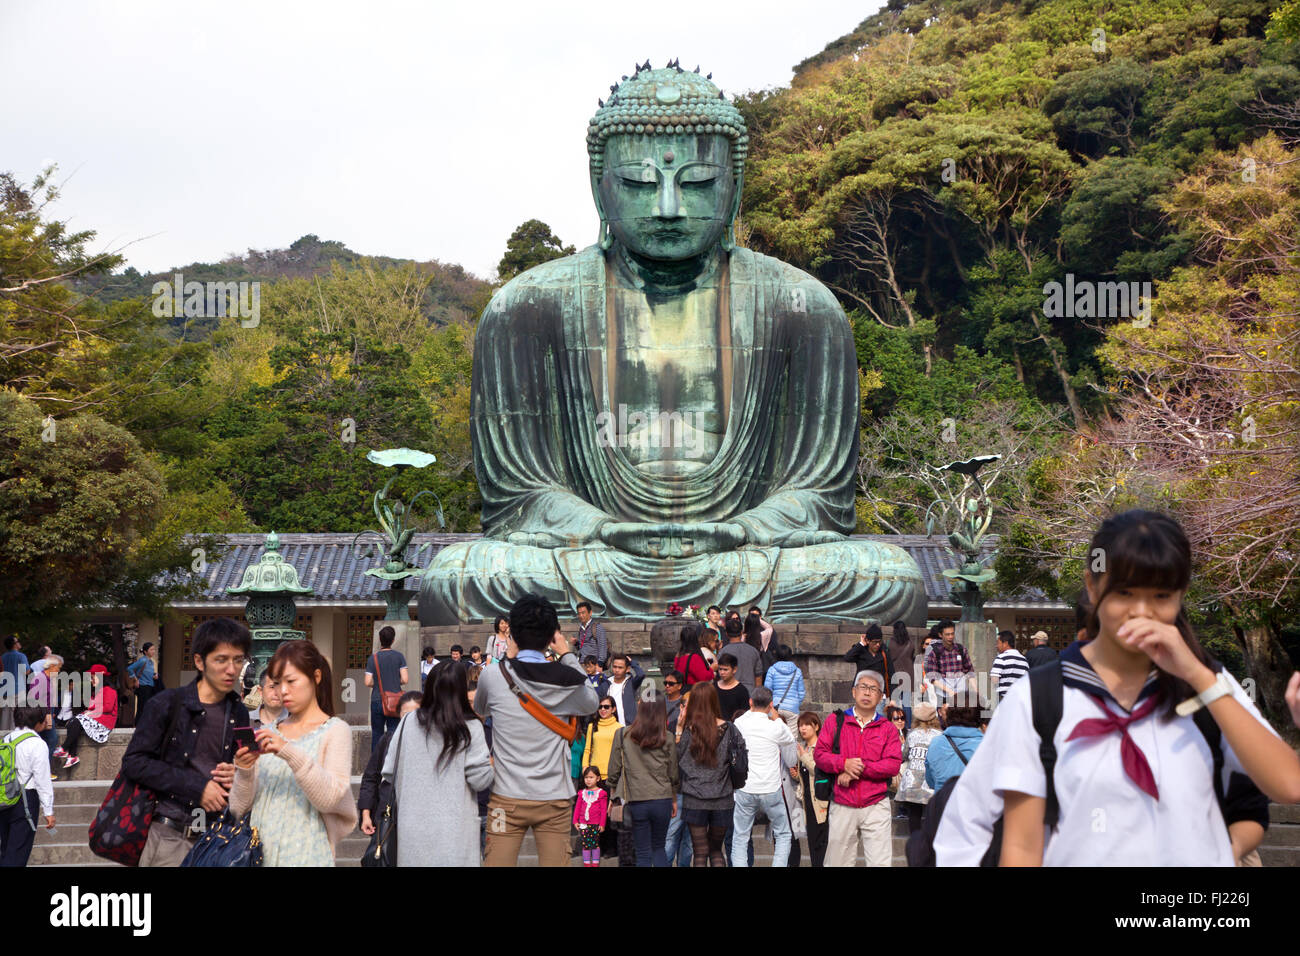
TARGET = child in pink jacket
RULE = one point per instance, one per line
(589, 814)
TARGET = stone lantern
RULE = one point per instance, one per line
(270, 584)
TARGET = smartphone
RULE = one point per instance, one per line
(244, 738)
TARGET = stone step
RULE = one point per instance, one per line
(1283, 813)
(1279, 856)
(74, 814)
(1282, 835)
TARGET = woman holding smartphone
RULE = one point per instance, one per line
(298, 782)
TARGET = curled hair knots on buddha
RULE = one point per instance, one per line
(665, 102)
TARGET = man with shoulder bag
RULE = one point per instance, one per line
(534, 705)
(179, 767)
(386, 675)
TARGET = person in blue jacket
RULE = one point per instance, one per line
(785, 681)
(965, 730)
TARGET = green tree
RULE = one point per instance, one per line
(77, 499)
(531, 244)
(1285, 23)
(49, 335)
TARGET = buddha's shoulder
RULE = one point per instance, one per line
(780, 279)
(545, 281)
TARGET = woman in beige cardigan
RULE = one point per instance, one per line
(298, 783)
(805, 776)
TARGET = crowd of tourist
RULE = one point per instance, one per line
(576, 744)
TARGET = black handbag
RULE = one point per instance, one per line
(228, 842)
(382, 849)
(737, 758)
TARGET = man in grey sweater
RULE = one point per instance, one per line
(532, 788)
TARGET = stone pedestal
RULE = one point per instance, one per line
(980, 641)
(408, 643)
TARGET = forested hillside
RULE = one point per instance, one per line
(944, 163)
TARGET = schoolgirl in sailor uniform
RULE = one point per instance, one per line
(1134, 773)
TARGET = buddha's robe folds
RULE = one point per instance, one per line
(784, 470)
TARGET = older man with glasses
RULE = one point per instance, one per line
(862, 750)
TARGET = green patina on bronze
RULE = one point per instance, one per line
(271, 611)
(395, 536)
(971, 514)
(665, 416)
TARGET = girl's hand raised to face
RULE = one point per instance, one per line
(1165, 646)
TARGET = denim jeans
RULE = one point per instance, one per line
(773, 804)
(726, 841)
(649, 819)
(379, 724)
(678, 843)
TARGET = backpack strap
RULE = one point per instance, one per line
(787, 691)
(955, 749)
(1209, 729)
(1047, 698)
(839, 728)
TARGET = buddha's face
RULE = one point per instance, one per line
(668, 197)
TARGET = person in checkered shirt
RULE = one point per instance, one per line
(947, 665)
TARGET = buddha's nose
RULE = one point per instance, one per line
(669, 205)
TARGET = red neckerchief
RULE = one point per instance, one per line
(1135, 762)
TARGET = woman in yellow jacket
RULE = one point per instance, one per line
(600, 737)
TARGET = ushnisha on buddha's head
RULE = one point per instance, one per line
(667, 154)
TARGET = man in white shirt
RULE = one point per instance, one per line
(1009, 666)
(771, 749)
(32, 773)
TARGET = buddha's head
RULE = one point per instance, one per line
(667, 164)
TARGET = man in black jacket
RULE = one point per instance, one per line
(1040, 653)
(183, 746)
(869, 653)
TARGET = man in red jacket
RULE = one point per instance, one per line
(869, 755)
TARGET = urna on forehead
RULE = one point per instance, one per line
(670, 101)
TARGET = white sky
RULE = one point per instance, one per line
(198, 129)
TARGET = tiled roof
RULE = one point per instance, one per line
(328, 564)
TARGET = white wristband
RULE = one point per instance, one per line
(1220, 688)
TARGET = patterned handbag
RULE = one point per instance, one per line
(228, 842)
(121, 826)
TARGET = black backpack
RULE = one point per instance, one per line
(737, 757)
(824, 781)
(1047, 699)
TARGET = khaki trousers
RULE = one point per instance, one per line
(509, 819)
(165, 846)
(872, 825)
